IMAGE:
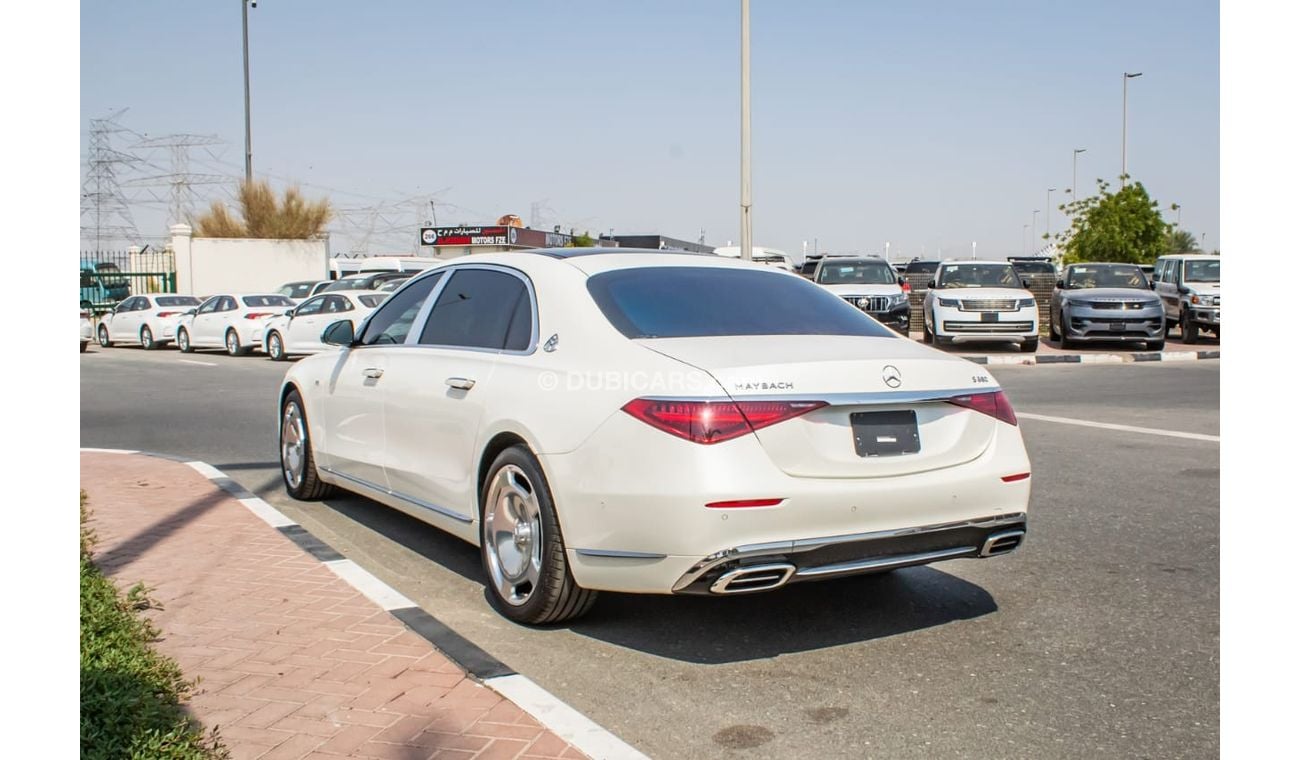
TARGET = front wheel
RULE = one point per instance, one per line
(84, 343)
(297, 460)
(1052, 332)
(275, 347)
(104, 342)
(146, 339)
(183, 341)
(1191, 330)
(522, 547)
(1029, 346)
(1155, 345)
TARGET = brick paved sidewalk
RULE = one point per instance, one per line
(293, 662)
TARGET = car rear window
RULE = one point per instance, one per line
(1034, 267)
(371, 300)
(922, 267)
(176, 301)
(687, 302)
(256, 301)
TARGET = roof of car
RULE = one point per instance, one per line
(1191, 256)
(947, 262)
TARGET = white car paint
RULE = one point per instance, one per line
(242, 315)
(960, 314)
(146, 320)
(397, 424)
(299, 330)
(87, 330)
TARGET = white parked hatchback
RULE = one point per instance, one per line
(980, 301)
(231, 321)
(149, 321)
(654, 422)
(298, 330)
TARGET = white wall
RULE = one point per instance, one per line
(205, 266)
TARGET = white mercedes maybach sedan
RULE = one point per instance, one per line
(298, 330)
(980, 301)
(654, 422)
(232, 321)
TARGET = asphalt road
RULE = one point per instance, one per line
(1100, 637)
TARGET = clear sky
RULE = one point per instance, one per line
(926, 124)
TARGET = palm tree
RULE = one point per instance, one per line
(1182, 241)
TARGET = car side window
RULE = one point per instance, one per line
(391, 322)
(209, 305)
(477, 309)
(309, 307)
(337, 304)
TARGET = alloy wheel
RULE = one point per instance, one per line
(513, 532)
(293, 444)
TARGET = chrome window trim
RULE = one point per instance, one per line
(444, 511)
(359, 330)
(413, 338)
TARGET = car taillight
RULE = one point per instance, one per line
(169, 313)
(709, 422)
(258, 314)
(906, 286)
(994, 404)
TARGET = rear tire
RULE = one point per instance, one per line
(1029, 346)
(233, 346)
(297, 460)
(528, 578)
(183, 341)
(84, 343)
(275, 347)
(146, 339)
(104, 342)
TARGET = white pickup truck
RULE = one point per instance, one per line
(1188, 286)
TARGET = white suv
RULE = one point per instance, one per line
(1188, 284)
(972, 301)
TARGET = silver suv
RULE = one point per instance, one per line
(1106, 302)
(1188, 285)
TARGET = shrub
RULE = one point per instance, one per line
(265, 216)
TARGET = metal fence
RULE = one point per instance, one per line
(109, 277)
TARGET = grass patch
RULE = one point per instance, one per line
(131, 695)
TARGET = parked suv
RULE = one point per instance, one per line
(980, 301)
(1110, 302)
(871, 285)
(1188, 284)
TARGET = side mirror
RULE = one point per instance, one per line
(338, 333)
(930, 284)
(191, 312)
(1152, 283)
(1060, 284)
(1024, 283)
(289, 312)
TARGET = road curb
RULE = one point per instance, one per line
(549, 710)
(1125, 358)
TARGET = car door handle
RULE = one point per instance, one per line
(460, 383)
(373, 373)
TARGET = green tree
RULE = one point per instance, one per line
(585, 240)
(1182, 241)
(266, 216)
(1123, 226)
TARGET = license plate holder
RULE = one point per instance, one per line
(989, 316)
(880, 434)
(1117, 326)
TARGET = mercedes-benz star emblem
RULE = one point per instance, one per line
(892, 377)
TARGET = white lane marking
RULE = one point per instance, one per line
(269, 514)
(567, 723)
(201, 364)
(1125, 428)
(110, 451)
(206, 470)
(371, 587)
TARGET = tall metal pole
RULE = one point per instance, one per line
(1024, 242)
(746, 202)
(1049, 212)
(1123, 177)
(1074, 178)
(248, 122)
(1034, 227)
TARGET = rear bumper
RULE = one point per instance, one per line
(765, 567)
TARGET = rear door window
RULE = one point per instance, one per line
(478, 309)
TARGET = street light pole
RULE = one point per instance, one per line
(1024, 240)
(1035, 225)
(1050, 190)
(1074, 177)
(248, 122)
(746, 202)
(1123, 177)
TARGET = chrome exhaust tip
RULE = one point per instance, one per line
(753, 578)
(1002, 542)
